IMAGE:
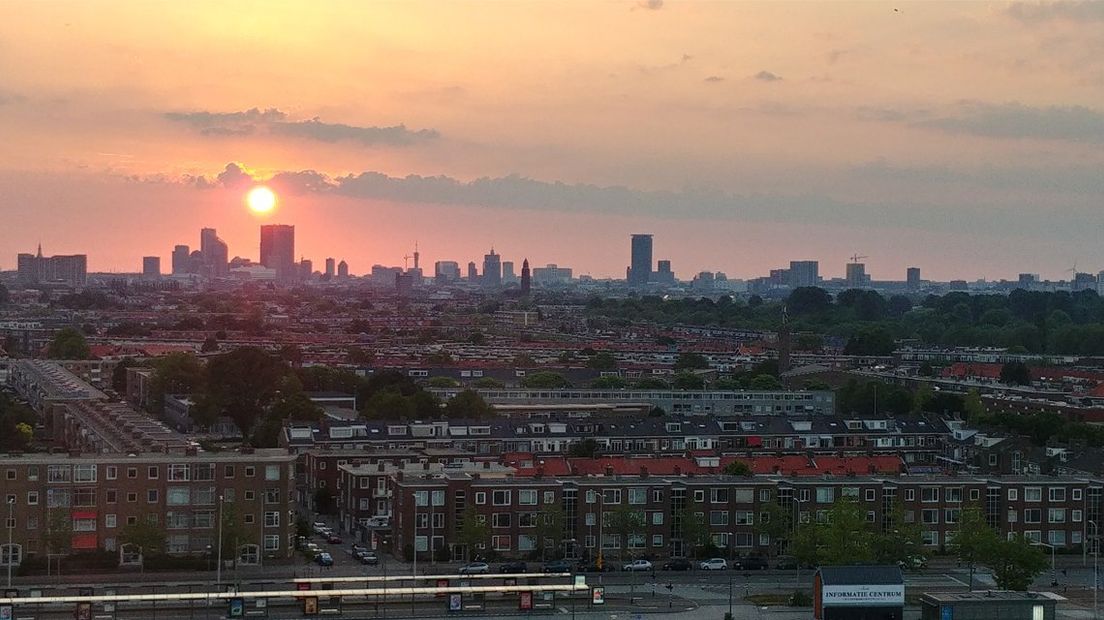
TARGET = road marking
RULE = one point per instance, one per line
(958, 581)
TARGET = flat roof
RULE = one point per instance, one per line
(989, 595)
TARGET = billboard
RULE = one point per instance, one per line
(867, 596)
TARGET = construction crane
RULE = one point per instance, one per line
(856, 258)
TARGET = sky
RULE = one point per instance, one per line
(963, 138)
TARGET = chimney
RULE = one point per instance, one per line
(609, 470)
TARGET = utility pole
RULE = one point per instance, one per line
(1096, 554)
(218, 568)
(11, 507)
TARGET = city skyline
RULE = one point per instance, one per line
(961, 137)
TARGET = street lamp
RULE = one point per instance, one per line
(11, 524)
(218, 567)
(1096, 554)
(1053, 571)
(796, 521)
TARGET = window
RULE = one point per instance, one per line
(179, 472)
(636, 541)
(591, 496)
(1030, 535)
(272, 472)
(272, 519)
(975, 495)
(871, 495)
(1056, 515)
(1057, 538)
(272, 542)
(176, 520)
(84, 525)
(950, 515)
(422, 520)
(716, 496)
(151, 496)
(250, 496)
(178, 496)
(228, 471)
(1013, 516)
(744, 517)
(929, 494)
(850, 492)
(1058, 494)
(825, 495)
(764, 495)
(718, 517)
(1076, 495)
(527, 519)
(910, 495)
(657, 518)
(657, 496)
(699, 496)
(272, 496)
(32, 473)
(132, 473)
(421, 498)
(84, 497)
(638, 496)
(251, 471)
(929, 516)
(203, 519)
(500, 543)
(11, 555)
(249, 518)
(203, 472)
(480, 498)
(550, 497)
(112, 472)
(1033, 515)
(527, 497)
(526, 543)
(501, 519)
(611, 496)
(657, 540)
(1013, 495)
(32, 498)
(590, 519)
(437, 498)
(1075, 516)
(500, 498)
(132, 497)
(152, 472)
(930, 538)
(58, 473)
(954, 495)
(110, 521)
(10, 474)
(1033, 494)
(588, 541)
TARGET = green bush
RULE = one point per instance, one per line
(801, 598)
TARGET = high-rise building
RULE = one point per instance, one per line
(331, 267)
(181, 260)
(216, 254)
(912, 277)
(404, 284)
(526, 277)
(552, 274)
(663, 273)
(492, 269)
(151, 267)
(1100, 284)
(306, 269)
(640, 264)
(803, 273)
(445, 271)
(343, 269)
(278, 250)
(473, 274)
(508, 276)
(856, 275)
(36, 268)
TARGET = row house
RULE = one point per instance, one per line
(428, 510)
(96, 496)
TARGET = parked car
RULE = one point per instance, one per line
(324, 559)
(914, 562)
(367, 557)
(788, 562)
(751, 562)
(678, 564)
(592, 567)
(318, 526)
(313, 548)
(638, 565)
(475, 568)
(333, 539)
(714, 564)
(512, 567)
(557, 566)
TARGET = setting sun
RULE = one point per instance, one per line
(261, 199)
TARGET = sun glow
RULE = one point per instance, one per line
(261, 199)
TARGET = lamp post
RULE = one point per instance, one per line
(1053, 570)
(218, 567)
(1096, 554)
(11, 507)
(796, 521)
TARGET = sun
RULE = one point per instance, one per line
(261, 199)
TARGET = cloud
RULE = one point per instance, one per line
(1070, 10)
(1018, 121)
(315, 129)
(767, 76)
(651, 5)
(275, 122)
(714, 78)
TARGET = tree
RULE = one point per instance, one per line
(1015, 373)
(549, 532)
(210, 345)
(870, 341)
(234, 533)
(177, 373)
(845, 537)
(242, 384)
(691, 361)
(472, 532)
(388, 405)
(442, 382)
(545, 380)
(776, 522)
(58, 536)
(694, 531)
(972, 405)
(587, 448)
(626, 523)
(16, 424)
(764, 383)
(609, 383)
(652, 383)
(149, 538)
(488, 383)
(737, 468)
(1015, 563)
(973, 539)
(602, 361)
(901, 540)
(468, 404)
(808, 300)
(687, 381)
(68, 344)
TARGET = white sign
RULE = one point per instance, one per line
(863, 595)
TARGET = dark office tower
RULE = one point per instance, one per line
(151, 267)
(526, 277)
(803, 273)
(306, 269)
(404, 284)
(508, 276)
(343, 269)
(331, 265)
(492, 269)
(445, 271)
(663, 274)
(856, 275)
(640, 265)
(278, 250)
(181, 259)
(912, 277)
(216, 254)
(473, 274)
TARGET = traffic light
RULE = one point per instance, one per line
(598, 562)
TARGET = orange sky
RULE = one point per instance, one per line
(966, 138)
